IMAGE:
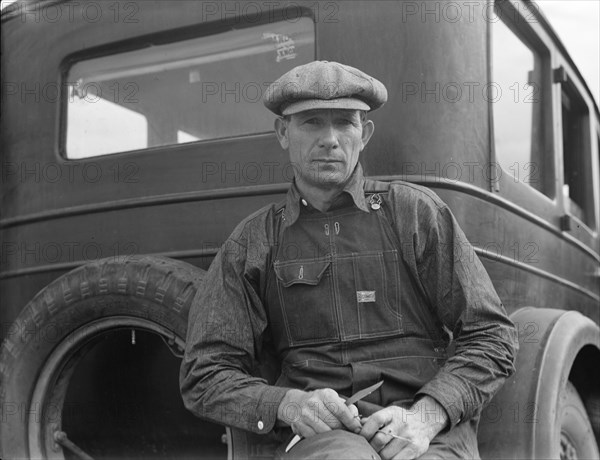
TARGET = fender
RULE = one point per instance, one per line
(522, 419)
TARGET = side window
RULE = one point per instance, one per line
(203, 88)
(577, 166)
(518, 102)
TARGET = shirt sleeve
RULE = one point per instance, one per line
(465, 301)
(225, 326)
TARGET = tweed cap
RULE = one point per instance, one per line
(324, 85)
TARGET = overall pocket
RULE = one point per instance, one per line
(305, 291)
(369, 292)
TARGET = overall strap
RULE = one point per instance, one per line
(373, 187)
(279, 217)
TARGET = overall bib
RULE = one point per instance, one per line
(345, 312)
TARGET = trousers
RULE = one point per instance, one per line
(343, 445)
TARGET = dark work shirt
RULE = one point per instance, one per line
(448, 294)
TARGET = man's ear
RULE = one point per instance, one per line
(367, 132)
(282, 133)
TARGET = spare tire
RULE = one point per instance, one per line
(64, 320)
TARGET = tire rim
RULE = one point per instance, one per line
(45, 413)
(568, 451)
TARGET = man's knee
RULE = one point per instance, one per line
(333, 445)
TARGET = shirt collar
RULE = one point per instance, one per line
(354, 187)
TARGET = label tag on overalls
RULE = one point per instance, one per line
(365, 296)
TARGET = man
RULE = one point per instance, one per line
(346, 283)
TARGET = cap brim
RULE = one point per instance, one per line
(344, 103)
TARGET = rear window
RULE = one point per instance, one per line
(518, 103)
(198, 89)
(577, 156)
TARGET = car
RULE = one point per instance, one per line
(134, 139)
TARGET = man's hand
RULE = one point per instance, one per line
(309, 413)
(398, 433)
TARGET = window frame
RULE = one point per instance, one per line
(161, 38)
(590, 134)
(515, 20)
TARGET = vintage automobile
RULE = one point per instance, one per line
(134, 139)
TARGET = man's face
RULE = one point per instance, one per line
(324, 144)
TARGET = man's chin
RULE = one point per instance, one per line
(330, 180)
(326, 177)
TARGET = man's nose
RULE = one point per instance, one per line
(329, 138)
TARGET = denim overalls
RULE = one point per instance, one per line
(345, 312)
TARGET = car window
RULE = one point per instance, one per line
(198, 89)
(518, 105)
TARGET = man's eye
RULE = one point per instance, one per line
(312, 121)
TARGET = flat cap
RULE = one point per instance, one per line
(324, 85)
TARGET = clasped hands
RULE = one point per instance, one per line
(394, 432)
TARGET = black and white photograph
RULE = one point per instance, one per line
(285, 230)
